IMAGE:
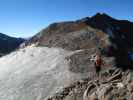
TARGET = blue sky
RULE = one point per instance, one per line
(24, 18)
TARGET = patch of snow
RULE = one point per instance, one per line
(34, 73)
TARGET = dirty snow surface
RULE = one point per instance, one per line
(34, 73)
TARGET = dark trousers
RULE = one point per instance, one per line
(97, 68)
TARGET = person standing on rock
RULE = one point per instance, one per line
(97, 63)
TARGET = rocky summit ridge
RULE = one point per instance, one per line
(98, 31)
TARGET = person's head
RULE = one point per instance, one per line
(98, 53)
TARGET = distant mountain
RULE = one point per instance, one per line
(8, 44)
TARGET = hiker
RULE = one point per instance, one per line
(98, 63)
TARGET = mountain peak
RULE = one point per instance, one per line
(98, 14)
(102, 16)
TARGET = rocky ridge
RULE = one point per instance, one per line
(114, 84)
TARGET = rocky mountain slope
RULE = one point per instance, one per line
(55, 64)
(99, 30)
(8, 44)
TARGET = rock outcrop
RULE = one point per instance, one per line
(111, 85)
